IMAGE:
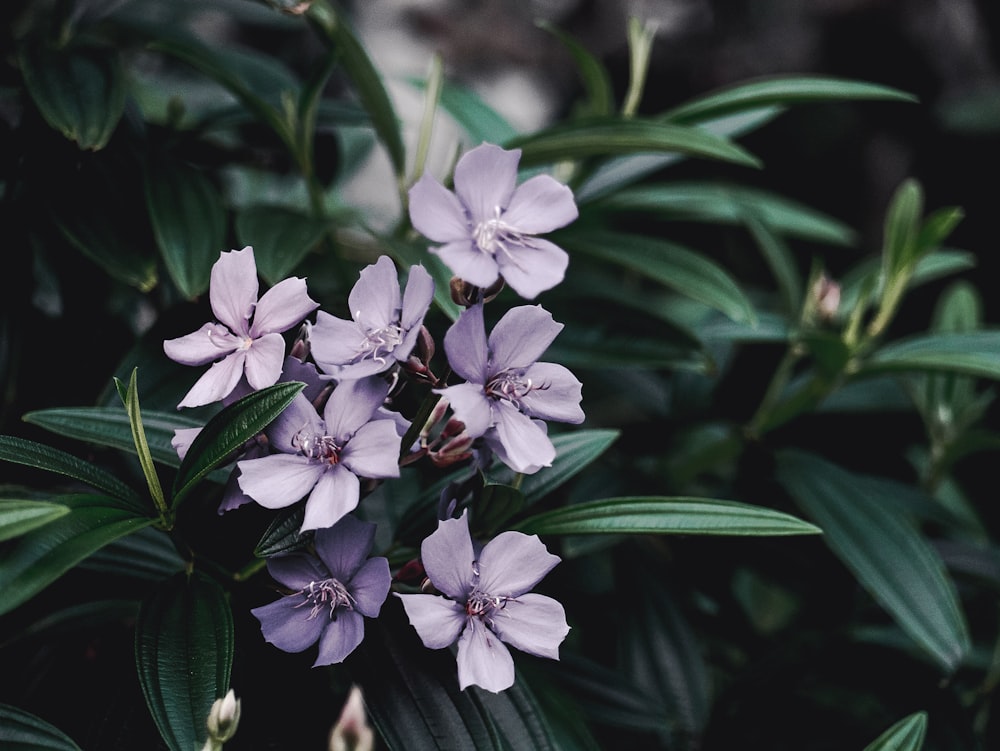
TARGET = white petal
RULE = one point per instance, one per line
(217, 382)
(233, 289)
(535, 624)
(448, 557)
(278, 480)
(438, 621)
(483, 660)
(335, 495)
(540, 205)
(485, 179)
(512, 563)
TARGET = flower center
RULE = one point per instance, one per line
(511, 386)
(327, 594)
(380, 342)
(482, 605)
(317, 446)
(493, 234)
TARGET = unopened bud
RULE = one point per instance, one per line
(223, 719)
(826, 297)
(467, 295)
(301, 347)
(352, 732)
(292, 7)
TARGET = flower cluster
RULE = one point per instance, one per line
(340, 436)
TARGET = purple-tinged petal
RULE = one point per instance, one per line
(468, 262)
(335, 495)
(296, 570)
(298, 419)
(294, 369)
(485, 179)
(491, 439)
(512, 563)
(535, 624)
(352, 404)
(483, 660)
(334, 342)
(362, 369)
(470, 405)
(556, 394)
(263, 361)
(465, 345)
(203, 346)
(375, 300)
(216, 383)
(370, 586)
(533, 267)
(285, 305)
(540, 205)
(286, 624)
(345, 546)
(373, 451)
(279, 480)
(341, 637)
(448, 557)
(401, 423)
(416, 300)
(182, 440)
(436, 213)
(520, 337)
(241, 389)
(232, 495)
(526, 444)
(233, 289)
(437, 621)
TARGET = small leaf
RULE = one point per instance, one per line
(21, 731)
(480, 121)
(18, 517)
(184, 655)
(283, 534)
(228, 430)
(905, 735)
(779, 259)
(902, 227)
(665, 515)
(37, 559)
(281, 238)
(975, 353)
(139, 438)
(884, 551)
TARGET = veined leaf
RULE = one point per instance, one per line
(18, 517)
(37, 559)
(281, 238)
(665, 515)
(228, 430)
(22, 731)
(184, 655)
(975, 353)
(905, 735)
(884, 551)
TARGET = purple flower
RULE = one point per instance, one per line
(506, 387)
(255, 349)
(323, 457)
(332, 593)
(488, 225)
(385, 326)
(488, 603)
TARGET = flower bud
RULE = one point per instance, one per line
(825, 294)
(467, 295)
(223, 718)
(352, 732)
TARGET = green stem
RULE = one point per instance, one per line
(249, 569)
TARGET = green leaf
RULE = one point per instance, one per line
(600, 99)
(149, 555)
(975, 353)
(189, 221)
(80, 90)
(37, 559)
(228, 430)
(480, 121)
(905, 735)
(283, 534)
(781, 90)
(32, 454)
(607, 136)
(902, 227)
(933, 266)
(884, 551)
(22, 731)
(106, 426)
(139, 438)
(596, 350)
(18, 517)
(281, 238)
(665, 515)
(493, 508)
(673, 266)
(779, 259)
(184, 655)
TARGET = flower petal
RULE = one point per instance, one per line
(373, 451)
(203, 346)
(279, 480)
(483, 660)
(448, 557)
(352, 404)
(344, 547)
(557, 396)
(470, 405)
(468, 262)
(533, 623)
(233, 289)
(520, 337)
(416, 299)
(532, 267)
(264, 359)
(216, 383)
(370, 586)
(492, 440)
(540, 204)
(286, 624)
(465, 345)
(298, 419)
(375, 300)
(485, 179)
(436, 213)
(335, 495)
(341, 637)
(334, 342)
(285, 305)
(512, 563)
(438, 622)
(293, 369)
(296, 570)
(182, 440)
(526, 444)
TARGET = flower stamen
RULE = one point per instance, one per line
(326, 594)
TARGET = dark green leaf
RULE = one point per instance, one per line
(281, 238)
(517, 717)
(18, 517)
(884, 551)
(594, 76)
(37, 559)
(283, 533)
(184, 655)
(480, 121)
(905, 735)
(149, 555)
(21, 731)
(139, 439)
(596, 350)
(493, 508)
(902, 227)
(665, 515)
(779, 259)
(228, 430)
(975, 353)
(38, 455)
